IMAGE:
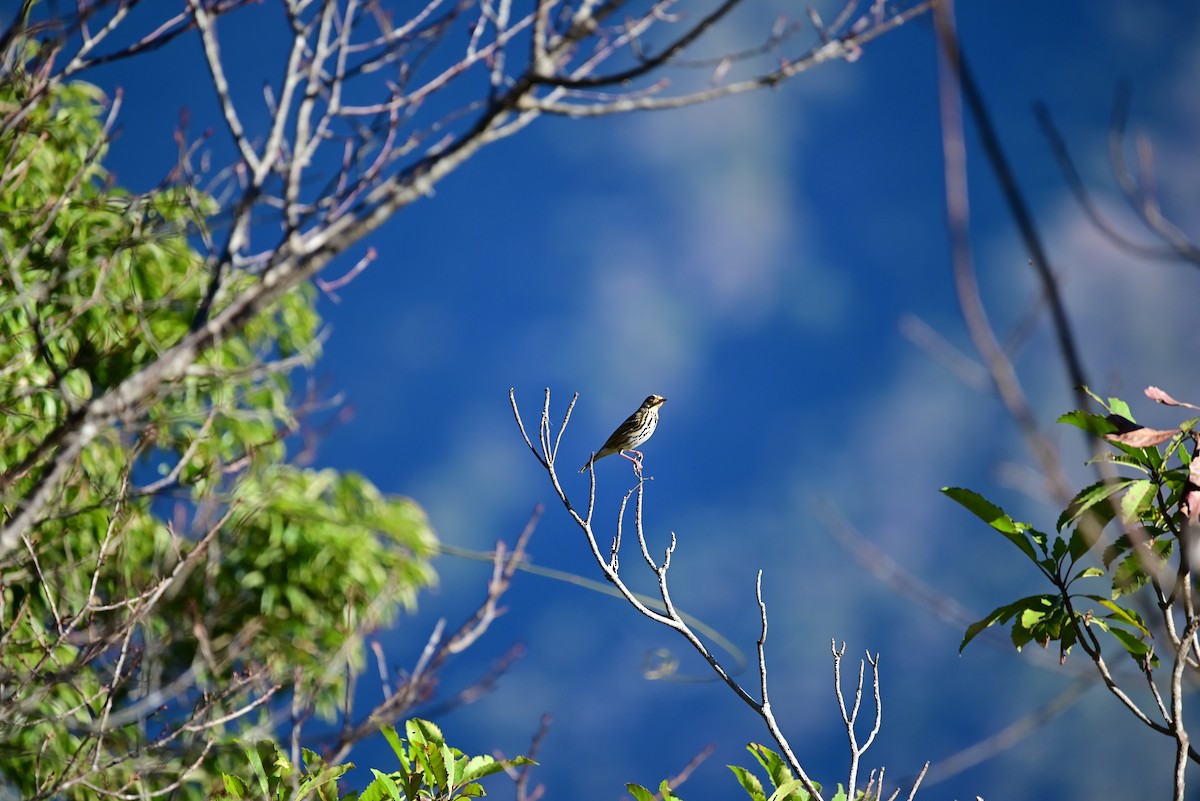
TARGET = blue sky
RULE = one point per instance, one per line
(755, 261)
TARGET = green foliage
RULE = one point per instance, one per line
(185, 570)
(273, 777)
(1153, 507)
(640, 793)
(784, 785)
(430, 770)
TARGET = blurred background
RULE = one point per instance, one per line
(767, 263)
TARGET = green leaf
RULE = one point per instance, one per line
(639, 792)
(1138, 497)
(447, 771)
(256, 765)
(77, 385)
(1118, 546)
(423, 731)
(477, 767)
(393, 739)
(1094, 424)
(791, 790)
(1129, 577)
(1132, 644)
(1129, 457)
(383, 787)
(1057, 551)
(234, 787)
(665, 792)
(777, 770)
(1019, 534)
(1037, 604)
(1087, 498)
(750, 783)
(1080, 545)
(1120, 407)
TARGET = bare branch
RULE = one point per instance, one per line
(670, 617)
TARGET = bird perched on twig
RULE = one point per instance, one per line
(633, 432)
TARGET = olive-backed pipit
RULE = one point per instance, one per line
(633, 432)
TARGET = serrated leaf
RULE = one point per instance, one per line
(386, 786)
(1020, 636)
(397, 745)
(790, 790)
(1003, 614)
(639, 792)
(750, 783)
(423, 764)
(234, 786)
(1137, 497)
(1087, 498)
(419, 730)
(995, 517)
(1079, 545)
(1031, 617)
(1119, 546)
(1057, 552)
(1093, 424)
(1120, 407)
(1132, 644)
(1128, 457)
(479, 766)
(1120, 614)
(447, 772)
(1129, 577)
(777, 770)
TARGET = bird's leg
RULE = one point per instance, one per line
(635, 459)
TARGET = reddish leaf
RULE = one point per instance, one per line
(1189, 504)
(1156, 394)
(1142, 437)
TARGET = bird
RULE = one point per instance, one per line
(633, 432)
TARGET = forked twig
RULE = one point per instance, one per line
(670, 617)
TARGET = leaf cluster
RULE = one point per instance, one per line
(784, 786)
(1152, 504)
(430, 770)
(184, 573)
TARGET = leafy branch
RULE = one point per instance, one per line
(1156, 504)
